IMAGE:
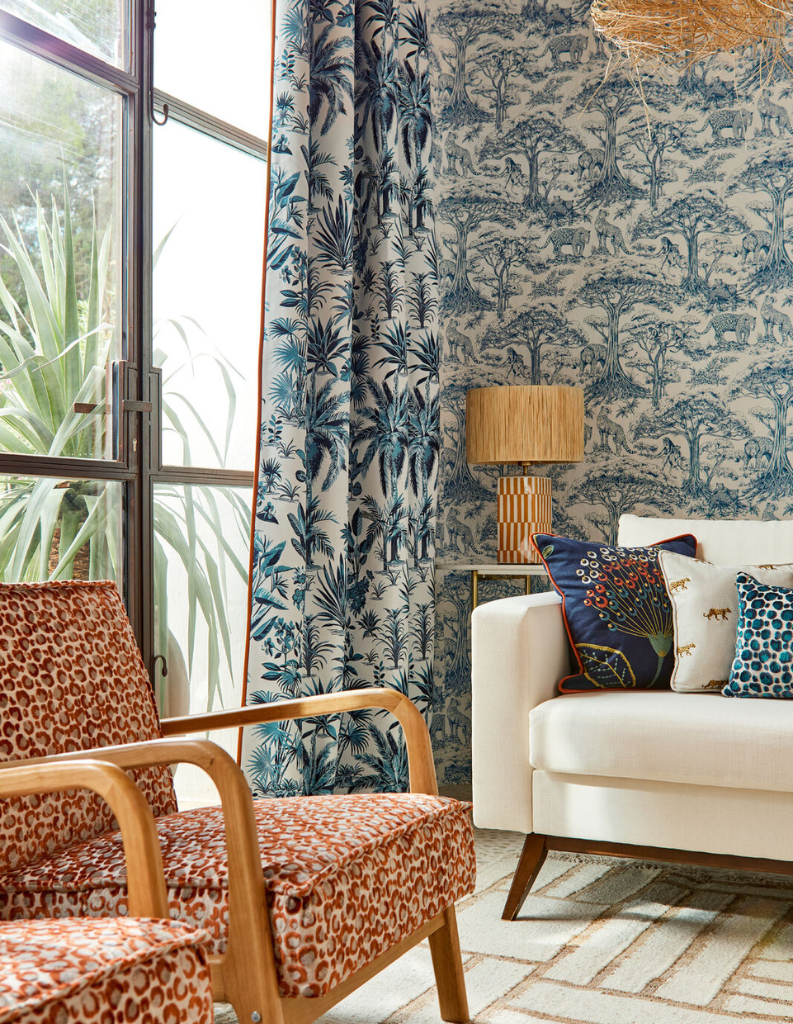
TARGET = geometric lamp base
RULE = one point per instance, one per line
(524, 508)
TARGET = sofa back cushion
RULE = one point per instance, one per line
(723, 541)
(71, 678)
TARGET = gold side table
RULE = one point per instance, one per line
(492, 571)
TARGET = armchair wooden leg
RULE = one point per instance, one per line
(531, 860)
(448, 966)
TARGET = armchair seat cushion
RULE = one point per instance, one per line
(696, 738)
(88, 972)
(346, 877)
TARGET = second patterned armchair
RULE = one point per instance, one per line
(304, 898)
(74, 971)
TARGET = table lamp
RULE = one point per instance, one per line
(528, 424)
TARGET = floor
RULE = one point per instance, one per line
(603, 941)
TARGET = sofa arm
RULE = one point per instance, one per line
(519, 652)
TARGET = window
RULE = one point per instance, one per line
(130, 283)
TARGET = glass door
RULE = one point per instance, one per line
(64, 172)
(133, 169)
(211, 78)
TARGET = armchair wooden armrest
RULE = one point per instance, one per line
(249, 926)
(417, 737)
(145, 880)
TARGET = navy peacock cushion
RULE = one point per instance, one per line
(616, 610)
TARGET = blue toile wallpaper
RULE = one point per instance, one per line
(643, 255)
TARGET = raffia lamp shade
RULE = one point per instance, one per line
(680, 33)
(523, 424)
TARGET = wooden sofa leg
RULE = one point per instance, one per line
(531, 860)
(448, 966)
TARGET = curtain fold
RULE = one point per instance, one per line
(342, 563)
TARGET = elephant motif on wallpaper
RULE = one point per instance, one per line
(739, 324)
(755, 245)
(736, 119)
(574, 45)
(590, 162)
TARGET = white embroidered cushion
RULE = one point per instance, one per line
(704, 600)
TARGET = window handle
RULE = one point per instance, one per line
(128, 405)
(84, 406)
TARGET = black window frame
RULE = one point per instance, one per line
(137, 464)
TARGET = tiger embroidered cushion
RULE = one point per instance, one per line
(704, 600)
(616, 611)
(763, 663)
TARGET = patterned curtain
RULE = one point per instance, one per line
(343, 544)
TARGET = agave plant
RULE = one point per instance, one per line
(55, 342)
(54, 346)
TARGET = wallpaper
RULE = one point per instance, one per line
(630, 242)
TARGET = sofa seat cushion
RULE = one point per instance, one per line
(346, 877)
(90, 972)
(696, 738)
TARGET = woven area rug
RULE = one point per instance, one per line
(603, 941)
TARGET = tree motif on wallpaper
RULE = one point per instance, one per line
(621, 491)
(644, 257)
(503, 256)
(691, 217)
(770, 380)
(771, 175)
(617, 293)
(653, 342)
(531, 138)
(615, 101)
(464, 24)
(692, 419)
(652, 141)
(467, 209)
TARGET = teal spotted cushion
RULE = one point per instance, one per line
(763, 665)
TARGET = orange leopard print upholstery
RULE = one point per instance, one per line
(71, 677)
(94, 972)
(346, 877)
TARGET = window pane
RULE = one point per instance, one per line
(220, 64)
(201, 543)
(97, 26)
(58, 155)
(59, 529)
(209, 219)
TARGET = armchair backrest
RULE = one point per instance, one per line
(71, 678)
(723, 541)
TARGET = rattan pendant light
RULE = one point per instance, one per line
(681, 32)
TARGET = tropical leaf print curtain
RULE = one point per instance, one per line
(343, 543)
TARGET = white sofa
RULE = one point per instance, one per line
(675, 776)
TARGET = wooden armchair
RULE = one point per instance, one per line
(74, 970)
(305, 898)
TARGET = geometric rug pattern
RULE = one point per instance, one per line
(603, 941)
